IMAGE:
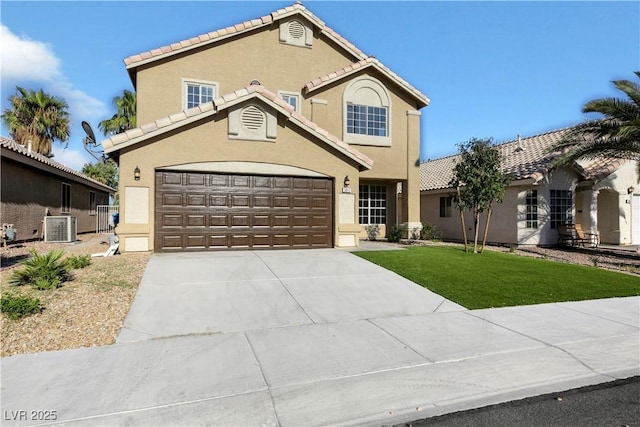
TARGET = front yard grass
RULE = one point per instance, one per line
(495, 279)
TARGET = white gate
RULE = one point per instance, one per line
(635, 216)
(105, 221)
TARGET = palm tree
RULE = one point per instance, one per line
(125, 117)
(615, 135)
(37, 117)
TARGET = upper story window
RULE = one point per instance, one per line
(198, 92)
(291, 98)
(367, 108)
(366, 120)
(65, 198)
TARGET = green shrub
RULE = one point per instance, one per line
(17, 306)
(43, 271)
(80, 261)
(429, 232)
(397, 232)
(372, 231)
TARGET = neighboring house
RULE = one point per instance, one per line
(603, 196)
(273, 133)
(34, 186)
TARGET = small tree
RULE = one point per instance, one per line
(479, 182)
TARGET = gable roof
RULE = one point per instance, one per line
(370, 62)
(44, 161)
(523, 158)
(212, 37)
(174, 121)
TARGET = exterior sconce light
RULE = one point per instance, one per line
(630, 190)
(136, 173)
(345, 185)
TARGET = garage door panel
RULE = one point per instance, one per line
(200, 211)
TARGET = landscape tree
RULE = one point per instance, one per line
(616, 134)
(37, 117)
(125, 116)
(105, 172)
(479, 183)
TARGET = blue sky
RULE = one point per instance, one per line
(491, 69)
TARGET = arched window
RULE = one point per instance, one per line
(367, 108)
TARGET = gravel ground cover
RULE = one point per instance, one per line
(90, 309)
(87, 311)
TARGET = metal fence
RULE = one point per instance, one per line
(105, 221)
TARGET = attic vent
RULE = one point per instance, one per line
(252, 118)
(296, 30)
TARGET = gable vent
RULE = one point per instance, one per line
(252, 118)
(296, 30)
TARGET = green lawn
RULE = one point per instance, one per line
(496, 279)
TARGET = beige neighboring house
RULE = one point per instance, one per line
(35, 186)
(603, 196)
(273, 133)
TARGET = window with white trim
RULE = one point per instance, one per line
(372, 204)
(65, 198)
(367, 109)
(561, 204)
(198, 92)
(291, 98)
(531, 202)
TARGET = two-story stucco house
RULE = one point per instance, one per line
(273, 133)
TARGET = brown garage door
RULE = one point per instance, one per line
(208, 211)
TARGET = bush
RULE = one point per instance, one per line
(429, 232)
(397, 232)
(43, 271)
(17, 306)
(80, 261)
(372, 231)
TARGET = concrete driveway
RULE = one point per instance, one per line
(310, 338)
(215, 292)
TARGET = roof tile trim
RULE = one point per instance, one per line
(211, 37)
(130, 137)
(12, 145)
(333, 76)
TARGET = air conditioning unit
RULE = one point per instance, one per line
(60, 228)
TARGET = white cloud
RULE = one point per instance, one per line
(29, 61)
(26, 59)
(75, 159)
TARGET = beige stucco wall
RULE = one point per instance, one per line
(234, 63)
(208, 141)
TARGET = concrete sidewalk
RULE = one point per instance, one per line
(315, 362)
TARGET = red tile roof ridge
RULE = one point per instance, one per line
(212, 36)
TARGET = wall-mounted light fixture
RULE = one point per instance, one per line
(345, 185)
(136, 173)
(630, 190)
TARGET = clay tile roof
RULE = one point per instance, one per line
(369, 62)
(140, 133)
(526, 158)
(12, 145)
(211, 37)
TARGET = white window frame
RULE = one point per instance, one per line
(197, 82)
(368, 92)
(531, 209)
(373, 206)
(285, 95)
(561, 207)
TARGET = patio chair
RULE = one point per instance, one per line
(591, 238)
